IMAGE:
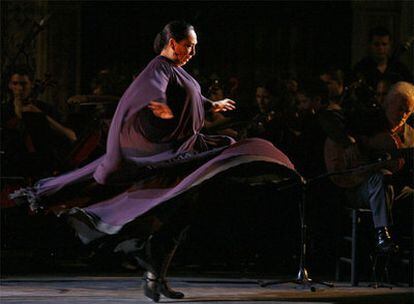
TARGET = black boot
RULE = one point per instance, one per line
(147, 260)
(156, 283)
(156, 258)
(151, 286)
(384, 242)
(165, 289)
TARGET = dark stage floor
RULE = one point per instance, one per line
(215, 289)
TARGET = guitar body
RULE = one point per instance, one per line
(336, 161)
(371, 149)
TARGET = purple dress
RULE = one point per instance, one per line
(139, 140)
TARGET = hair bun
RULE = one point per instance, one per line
(178, 30)
(158, 43)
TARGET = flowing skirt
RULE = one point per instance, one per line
(146, 187)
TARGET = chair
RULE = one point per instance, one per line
(357, 215)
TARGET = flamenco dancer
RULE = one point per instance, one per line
(155, 152)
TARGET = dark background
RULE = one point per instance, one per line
(254, 41)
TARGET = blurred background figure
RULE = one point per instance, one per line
(218, 123)
(382, 88)
(334, 81)
(380, 63)
(91, 116)
(34, 140)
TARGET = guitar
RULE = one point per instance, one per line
(382, 151)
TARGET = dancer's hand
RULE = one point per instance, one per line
(160, 110)
(223, 105)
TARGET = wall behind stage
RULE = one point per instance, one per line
(252, 40)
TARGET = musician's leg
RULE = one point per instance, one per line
(378, 195)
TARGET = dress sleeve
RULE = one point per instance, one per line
(150, 85)
(156, 86)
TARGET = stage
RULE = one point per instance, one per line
(219, 288)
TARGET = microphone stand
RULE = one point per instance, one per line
(303, 279)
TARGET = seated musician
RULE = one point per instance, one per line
(32, 133)
(264, 121)
(381, 129)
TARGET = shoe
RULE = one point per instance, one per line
(154, 287)
(166, 291)
(384, 242)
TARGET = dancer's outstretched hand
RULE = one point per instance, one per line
(223, 105)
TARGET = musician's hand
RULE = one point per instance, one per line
(230, 132)
(77, 99)
(223, 105)
(407, 191)
(18, 105)
(31, 108)
(160, 110)
(18, 99)
(71, 135)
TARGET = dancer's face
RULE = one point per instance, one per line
(185, 49)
